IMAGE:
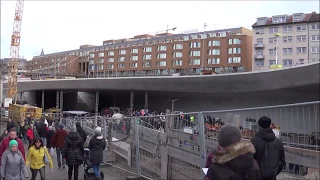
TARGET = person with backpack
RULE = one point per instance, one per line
(234, 158)
(269, 150)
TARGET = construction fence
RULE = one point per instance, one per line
(176, 146)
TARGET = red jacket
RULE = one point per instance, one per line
(58, 138)
(5, 144)
(30, 134)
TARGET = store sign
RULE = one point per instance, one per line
(190, 31)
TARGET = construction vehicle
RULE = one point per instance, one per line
(19, 113)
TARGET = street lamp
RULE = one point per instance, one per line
(203, 56)
(277, 35)
(172, 104)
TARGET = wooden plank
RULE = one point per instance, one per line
(184, 156)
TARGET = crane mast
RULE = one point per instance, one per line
(14, 50)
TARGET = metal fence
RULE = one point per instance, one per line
(176, 146)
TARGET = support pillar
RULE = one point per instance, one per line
(131, 100)
(146, 100)
(57, 102)
(42, 101)
(61, 106)
(97, 109)
(81, 67)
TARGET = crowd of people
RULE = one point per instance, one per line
(43, 138)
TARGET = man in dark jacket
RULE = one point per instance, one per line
(42, 131)
(10, 124)
(58, 142)
(81, 131)
(266, 135)
(234, 158)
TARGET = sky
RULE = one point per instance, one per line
(59, 26)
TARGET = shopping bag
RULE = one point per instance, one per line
(51, 152)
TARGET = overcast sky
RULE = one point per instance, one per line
(64, 25)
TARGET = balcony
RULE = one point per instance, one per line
(260, 56)
(259, 46)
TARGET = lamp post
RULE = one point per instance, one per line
(203, 40)
(277, 35)
(172, 104)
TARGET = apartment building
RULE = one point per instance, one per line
(160, 54)
(287, 39)
(228, 49)
(5, 62)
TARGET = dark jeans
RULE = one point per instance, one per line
(59, 157)
(74, 168)
(34, 173)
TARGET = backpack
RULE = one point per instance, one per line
(269, 163)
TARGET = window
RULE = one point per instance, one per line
(101, 66)
(297, 17)
(161, 56)
(178, 54)
(133, 65)
(315, 26)
(194, 62)
(287, 50)
(121, 66)
(91, 56)
(301, 61)
(260, 53)
(194, 53)
(122, 52)
(91, 62)
(259, 31)
(315, 37)
(162, 48)
(146, 64)
(260, 41)
(315, 49)
(177, 63)
(280, 19)
(161, 63)
(214, 52)
(147, 57)
(287, 62)
(236, 50)
(110, 66)
(287, 39)
(273, 30)
(287, 29)
(229, 60)
(195, 45)
(272, 51)
(272, 62)
(236, 59)
(121, 59)
(147, 49)
(186, 38)
(301, 50)
(177, 46)
(301, 38)
(259, 62)
(301, 27)
(273, 40)
(101, 60)
(229, 41)
(134, 58)
(230, 51)
(214, 43)
(111, 60)
(110, 53)
(134, 50)
(101, 54)
(236, 41)
(213, 61)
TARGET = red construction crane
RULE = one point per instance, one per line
(14, 50)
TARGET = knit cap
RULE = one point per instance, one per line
(97, 131)
(264, 122)
(229, 134)
(13, 143)
(61, 126)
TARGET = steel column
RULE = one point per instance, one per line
(97, 109)
(42, 100)
(202, 145)
(61, 106)
(146, 100)
(131, 100)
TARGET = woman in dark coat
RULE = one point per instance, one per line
(97, 145)
(49, 135)
(73, 152)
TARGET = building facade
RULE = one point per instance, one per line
(228, 50)
(285, 39)
(5, 62)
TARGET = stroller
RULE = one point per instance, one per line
(87, 166)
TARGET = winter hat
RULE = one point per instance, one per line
(73, 128)
(61, 126)
(229, 134)
(97, 131)
(13, 143)
(264, 122)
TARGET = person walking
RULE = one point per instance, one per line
(269, 150)
(31, 135)
(234, 158)
(10, 124)
(49, 135)
(97, 145)
(13, 166)
(73, 152)
(81, 131)
(42, 130)
(58, 142)
(38, 156)
(12, 136)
